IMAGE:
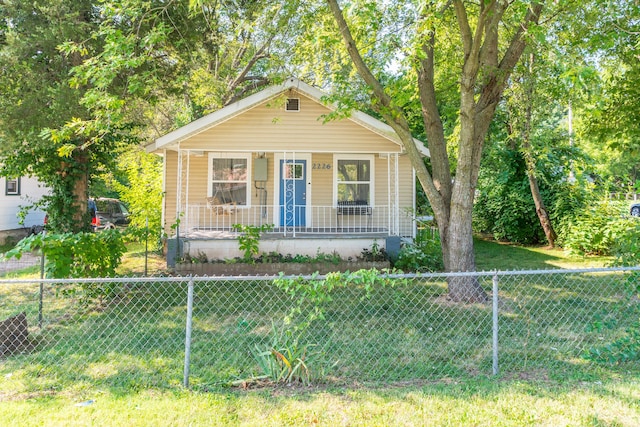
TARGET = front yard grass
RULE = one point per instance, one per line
(478, 402)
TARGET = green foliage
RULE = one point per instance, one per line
(423, 254)
(627, 347)
(376, 253)
(504, 207)
(626, 248)
(311, 295)
(142, 192)
(596, 229)
(320, 257)
(284, 359)
(249, 240)
(45, 131)
(77, 255)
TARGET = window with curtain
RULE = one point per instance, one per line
(230, 180)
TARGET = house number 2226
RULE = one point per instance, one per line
(322, 166)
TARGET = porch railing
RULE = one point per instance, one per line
(309, 219)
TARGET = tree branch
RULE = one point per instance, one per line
(391, 113)
(431, 118)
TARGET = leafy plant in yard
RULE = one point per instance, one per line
(627, 347)
(320, 257)
(78, 255)
(287, 358)
(596, 230)
(309, 297)
(376, 253)
(422, 255)
(284, 359)
(142, 192)
(249, 240)
(71, 255)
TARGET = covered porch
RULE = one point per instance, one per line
(328, 195)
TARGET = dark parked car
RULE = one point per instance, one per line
(109, 213)
(105, 214)
(635, 209)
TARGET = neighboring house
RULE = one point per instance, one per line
(16, 193)
(272, 158)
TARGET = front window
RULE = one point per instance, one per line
(229, 179)
(353, 180)
(12, 187)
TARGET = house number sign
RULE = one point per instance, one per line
(324, 166)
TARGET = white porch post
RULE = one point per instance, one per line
(188, 214)
(179, 192)
(186, 191)
(396, 192)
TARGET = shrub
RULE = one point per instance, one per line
(249, 240)
(626, 248)
(596, 229)
(627, 347)
(70, 255)
(423, 254)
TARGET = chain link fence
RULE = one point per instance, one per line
(207, 332)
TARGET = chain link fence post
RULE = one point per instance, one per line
(187, 340)
(495, 324)
(41, 295)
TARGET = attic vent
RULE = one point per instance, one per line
(293, 104)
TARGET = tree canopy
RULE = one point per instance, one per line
(83, 81)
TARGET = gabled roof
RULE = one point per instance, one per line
(204, 123)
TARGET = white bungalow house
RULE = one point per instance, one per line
(16, 193)
(271, 158)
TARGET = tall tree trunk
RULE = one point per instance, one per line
(541, 210)
(452, 205)
(527, 152)
(80, 192)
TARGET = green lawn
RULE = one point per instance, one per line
(492, 255)
(129, 388)
(482, 402)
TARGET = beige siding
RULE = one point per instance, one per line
(270, 128)
(406, 186)
(198, 177)
(322, 180)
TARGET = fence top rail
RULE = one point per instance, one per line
(183, 279)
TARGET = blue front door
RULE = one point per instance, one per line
(293, 193)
